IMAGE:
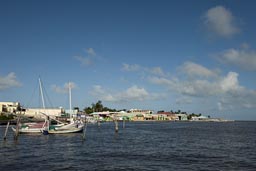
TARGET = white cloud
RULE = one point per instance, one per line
(63, 89)
(221, 86)
(201, 87)
(245, 46)
(193, 69)
(9, 81)
(211, 84)
(197, 88)
(90, 58)
(130, 68)
(242, 58)
(157, 71)
(186, 90)
(220, 21)
(161, 81)
(99, 92)
(194, 82)
(136, 67)
(230, 82)
(242, 98)
(90, 52)
(97, 89)
(133, 93)
(184, 100)
(85, 61)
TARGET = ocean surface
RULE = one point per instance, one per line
(145, 146)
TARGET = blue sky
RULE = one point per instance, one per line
(195, 56)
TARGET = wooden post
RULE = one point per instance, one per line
(6, 130)
(84, 129)
(123, 123)
(116, 125)
(17, 127)
(98, 122)
(47, 126)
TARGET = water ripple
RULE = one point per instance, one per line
(140, 146)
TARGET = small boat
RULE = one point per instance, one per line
(73, 127)
(31, 127)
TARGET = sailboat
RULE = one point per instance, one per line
(33, 127)
(73, 127)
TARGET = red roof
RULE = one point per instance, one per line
(166, 113)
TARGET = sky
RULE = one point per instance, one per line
(196, 56)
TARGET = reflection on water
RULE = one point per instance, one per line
(138, 146)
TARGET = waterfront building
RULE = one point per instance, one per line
(167, 115)
(139, 117)
(108, 116)
(181, 117)
(9, 107)
(199, 118)
(162, 117)
(141, 111)
(37, 112)
(101, 116)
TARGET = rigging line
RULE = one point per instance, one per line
(47, 97)
(27, 104)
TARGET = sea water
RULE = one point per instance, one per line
(137, 146)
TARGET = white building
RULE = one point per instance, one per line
(199, 118)
(140, 111)
(37, 112)
(10, 107)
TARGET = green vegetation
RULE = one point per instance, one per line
(6, 117)
(193, 114)
(98, 107)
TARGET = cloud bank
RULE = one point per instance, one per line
(198, 82)
(133, 93)
(243, 58)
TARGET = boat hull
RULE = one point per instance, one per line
(65, 131)
(29, 130)
(70, 128)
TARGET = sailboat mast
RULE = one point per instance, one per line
(41, 92)
(69, 89)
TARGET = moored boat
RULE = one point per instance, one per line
(69, 128)
(32, 127)
(73, 127)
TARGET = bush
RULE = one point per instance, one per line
(4, 117)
